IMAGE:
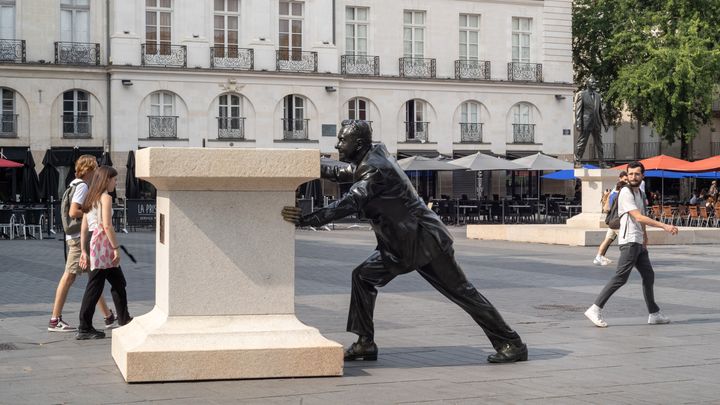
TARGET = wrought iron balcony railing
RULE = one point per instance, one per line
(12, 50)
(530, 72)
(472, 69)
(295, 129)
(296, 61)
(162, 126)
(77, 125)
(471, 132)
(523, 133)
(232, 57)
(231, 127)
(715, 148)
(360, 65)
(163, 54)
(8, 125)
(417, 131)
(608, 151)
(77, 53)
(646, 149)
(417, 67)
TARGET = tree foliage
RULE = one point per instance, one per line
(657, 59)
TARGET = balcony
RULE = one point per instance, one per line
(416, 131)
(232, 57)
(295, 129)
(296, 61)
(360, 65)
(527, 72)
(12, 51)
(231, 128)
(77, 126)
(471, 132)
(165, 55)
(645, 150)
(608, 151)
(417, 67)
(8, 126)
(77, 53)
(472, 69)
(523, 133)
(162, 126)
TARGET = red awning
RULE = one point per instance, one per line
(705, 165)
(9, 163)
(660, 162)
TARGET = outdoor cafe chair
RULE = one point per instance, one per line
(717, 215)
(7, 223)
(682, 215)
(703, 216)
(656, 212)
(33, 222)
(693, 215)
(667, 216)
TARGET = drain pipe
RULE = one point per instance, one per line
(333, 21)
(108, 75)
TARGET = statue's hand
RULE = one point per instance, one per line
(292, 214)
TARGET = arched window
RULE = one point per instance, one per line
(357, 109)
(231, 122)
(523, 126)
(416, 127)
(76, 118)
(162, 118)
(294, 121)
(8, 122)
(470, 124)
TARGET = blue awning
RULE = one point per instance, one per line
(566, 174)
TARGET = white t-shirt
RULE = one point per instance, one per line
(78, 198)
(630, 230)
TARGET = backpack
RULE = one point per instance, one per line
(604, 202)
(612, 219)
(71, 225)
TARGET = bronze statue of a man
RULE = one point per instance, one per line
(588, 121)
(409, 237)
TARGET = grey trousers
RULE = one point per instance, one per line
(631, 255)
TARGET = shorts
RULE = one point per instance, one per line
(72, 265)
(611, 234)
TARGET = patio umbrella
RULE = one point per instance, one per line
(71, 173)
(413, 163)
(657, 165)
(540, 162)
(480, 161)
(705, 165)
(29, 192)
(132, 185)
(9, 164)
(568, 174)
(49, 178)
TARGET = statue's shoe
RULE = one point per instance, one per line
(509, 353)
(361, 351)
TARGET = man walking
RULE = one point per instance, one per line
(611, 234)
(633, 249)
(410, 237)
(84, 167)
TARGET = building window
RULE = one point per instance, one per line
(523, 128)
(75, 20)
(76, 113)
(158, 26)
(413, 34)
(8, 120)
(294, 121)
(291, 29)
(356, 30)
(227, 17)
(470, 113)
(469, 37)
(357, 109)
(230, 117)
(7, 19)
(162, 104)
(162, 118)
(521, 31)
(416, 128)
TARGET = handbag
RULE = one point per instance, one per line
(101, 250)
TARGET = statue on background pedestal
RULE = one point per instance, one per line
(588, 121)
(410, 237)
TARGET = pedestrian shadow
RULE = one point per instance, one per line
(695, 321)
(440, 356)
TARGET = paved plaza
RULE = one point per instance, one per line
(430, 351)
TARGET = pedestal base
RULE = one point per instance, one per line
(588, 220)
(155, 347)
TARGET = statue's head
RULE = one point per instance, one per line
(590, 83)
(354, 140)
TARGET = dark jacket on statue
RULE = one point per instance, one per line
(409, 234)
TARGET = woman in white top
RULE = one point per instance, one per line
(104, 256)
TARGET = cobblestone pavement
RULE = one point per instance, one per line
(430, 351)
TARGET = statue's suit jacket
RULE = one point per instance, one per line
(409, 235)
(588, 111)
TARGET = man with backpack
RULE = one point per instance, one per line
(630, 209)
(611, 234)
(71, 213)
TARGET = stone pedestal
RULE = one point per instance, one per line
(224, 271)
(594, 184)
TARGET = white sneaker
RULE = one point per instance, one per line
(605, 261)
(658, 318)
(594, 314)
(598, 261)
